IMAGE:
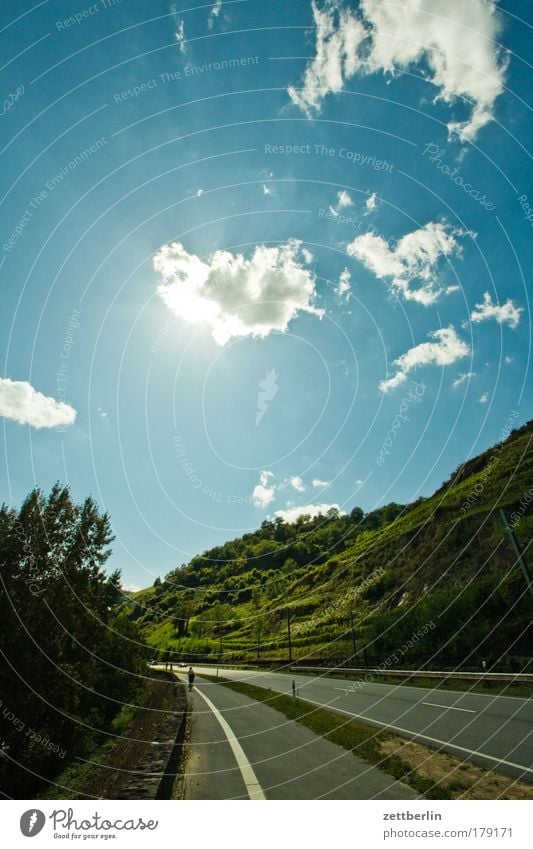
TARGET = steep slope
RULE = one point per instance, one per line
(443, 566)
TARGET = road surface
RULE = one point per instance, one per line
(493, 731)
(243, 749)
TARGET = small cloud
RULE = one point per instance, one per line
(180, 37)
(507, 313)
(21, 403)
(214, 13)
(317, 483)
(309, 510)
(413, 259)
(263, 493)
(484, 398)
(343, 289)
(131, 588)
(343, 201)
(297, 483)
(444, 351)
(371, 202)
(462, 377)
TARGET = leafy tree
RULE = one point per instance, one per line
(67, 657)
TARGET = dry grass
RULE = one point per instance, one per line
(460, 779)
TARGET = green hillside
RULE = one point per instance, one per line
(433, 582)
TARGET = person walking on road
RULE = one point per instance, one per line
(191, 677)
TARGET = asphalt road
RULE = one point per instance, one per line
(495, 732)
(243, 749)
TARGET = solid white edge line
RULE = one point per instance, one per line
(253, 788)
(448, 707)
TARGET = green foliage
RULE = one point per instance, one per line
(69, 657)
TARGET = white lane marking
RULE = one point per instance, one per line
(449, 707)
(414, 735)
(347, 690)
(249, 777)
(407, 732)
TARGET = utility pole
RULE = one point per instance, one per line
(519, 555)
(353, 637)
(289, 633)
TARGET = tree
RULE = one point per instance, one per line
(67, 659)
(356, 515)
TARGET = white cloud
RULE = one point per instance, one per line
(180, 37)
(343, 202)
(263, 493)
(297, 483)
(20, 402)
(412, 259)
(344, 288)
(310, 510)
(338, 35)
(462, 377)
(344, 199)
(484, 398)
(371, 202)
(453, 39)
(317, 483)
(507, 313)
(214, 13)
(237, 296)
(445, 351)
(131, 588)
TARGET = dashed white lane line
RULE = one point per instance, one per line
(449, 707)
(253, 788)
(414, 735)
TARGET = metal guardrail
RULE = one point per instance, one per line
(503, 677)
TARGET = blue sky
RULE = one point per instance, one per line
(259, 257)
